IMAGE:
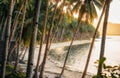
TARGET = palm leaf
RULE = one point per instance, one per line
(82, 10)
(77, 6)
(98, 3)
(93, 11)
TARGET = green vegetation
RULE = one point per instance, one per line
(69, 23)
(11, 74)
(108, 71)
(31, 22)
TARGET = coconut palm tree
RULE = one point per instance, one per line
(92, 43)
(48, 40)
(16, 21)
(73, 37)
(42, 40)
(3, 14)
(33, 39)
(22, 57)
(58, 21)
(99, 73)
(6, 45)
(1, 22)
(88, 8)
(3, 29)
(13, 28)
(20, 34)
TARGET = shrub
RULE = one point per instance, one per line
(109, 71)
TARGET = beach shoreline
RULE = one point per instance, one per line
(53, 69)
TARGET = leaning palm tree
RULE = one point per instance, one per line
(1, 21)
(3, 29)
(20, 34)
(82, 11)
(42, 40)
(103, 37)
(60, 18)
(33, 39)
(92, 43)
(3, 15)
(48, 40)
(6, 45)
(16, 21)
(13, 29)
(88, 8)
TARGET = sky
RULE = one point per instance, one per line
(114, 16)
(114, 12)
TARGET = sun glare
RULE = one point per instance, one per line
(65, 9)
(60, 2)
(75, 14)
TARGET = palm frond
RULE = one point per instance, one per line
(97, 3)
(77, 6)
(82, 10)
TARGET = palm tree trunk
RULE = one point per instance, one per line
(15, 22)
(33, 39)
(74, 35)
(42, 40)
(48, 41)
(1, 23)
(5, 53)
(3, 31)
(20, 35)
(61, 36)
(55, 35)
(24, 54)
(103, 37)
(92, 43)
(16, 60)
(12, 50)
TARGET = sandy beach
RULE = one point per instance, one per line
(53, 69)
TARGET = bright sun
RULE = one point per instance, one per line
(75, 15)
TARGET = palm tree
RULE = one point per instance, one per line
(15, 22)
(60, 20)
(84, 8)
(33, 39)
(3, 30)
(14, 26)
(42, 40)
(48, 41)
(3, 14)
(1, 22)
(92, 43)
(20, 34)
(5, 53)
(56, 32)
(22, 58)
(103, 37)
